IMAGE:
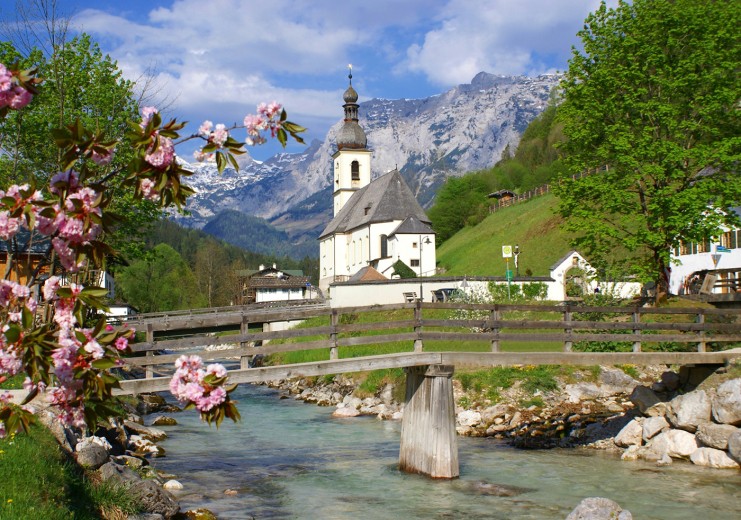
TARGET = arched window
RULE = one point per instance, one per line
(355, 170)
(384, 246)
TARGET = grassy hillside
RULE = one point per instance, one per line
(532, 225)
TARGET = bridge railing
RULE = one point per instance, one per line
(438, 327)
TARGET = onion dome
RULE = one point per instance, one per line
(351, 135)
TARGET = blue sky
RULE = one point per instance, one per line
(218, 59)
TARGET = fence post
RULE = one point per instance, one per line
(701, 345)
(149, 373)
(333, 351)
(567, 344)
(495, 316)
(636, 331)
(418, 346)
(244, 328)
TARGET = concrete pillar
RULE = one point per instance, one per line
(428, 439)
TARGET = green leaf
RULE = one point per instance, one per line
(103, 363)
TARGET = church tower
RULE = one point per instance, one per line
(352, 158)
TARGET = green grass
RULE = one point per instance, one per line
(39, 481)
(532, 225)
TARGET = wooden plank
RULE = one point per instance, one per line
(371, 340)
(381, 325)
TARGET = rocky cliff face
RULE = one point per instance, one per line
(461, 130)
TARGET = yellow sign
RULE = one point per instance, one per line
(506, 251)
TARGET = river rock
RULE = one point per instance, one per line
(618, 380)
(129, 461)
(652, 426)
(585, 391)
(670, 380)
(468, 418)
(727, 403)
(494, 413)
(734, 446)
(154, 499)
(657, 410)
(688, 411)
(92, 456)
(149, 433)
(150, 403)
(164, 420)
(117, 474)
(345, 411)
(172, 485)
(200, 514)
(597, 508)
(644, 398)
(630, 435)
(140, 445)
(715, 435)
(713, 458)
(678, 444)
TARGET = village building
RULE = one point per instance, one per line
(376, 223)
(270, 284)
(711, 268)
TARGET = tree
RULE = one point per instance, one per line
(161, 281)
(652, 102)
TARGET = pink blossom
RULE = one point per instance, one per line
(67, 255)
(69, 179)
(147, 113)
(21, 97)
(205, 129)
(216, 369)
(220, 135)
(121, 343)
(214, 398)
(51, 285)
(162, 155)
(146, 186)
(102, 158)
(9, 226)
(199, 156)
(94, 348)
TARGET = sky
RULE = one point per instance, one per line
(218, 59)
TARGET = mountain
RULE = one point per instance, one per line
(428, 140)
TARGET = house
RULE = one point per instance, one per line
(270, 284)
(27, 253)
(503, 197)
(375, 222)
(711, 267)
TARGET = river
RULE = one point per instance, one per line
(291, 460)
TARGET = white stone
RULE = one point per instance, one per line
(597, 508)
(469, 418)
(93, 440)
(172, 485)
(713, 458)
(727, 403)
(346, 411)
(688, 411)
(630, 435)
(715, 435)
(652, 426)
(678, 444)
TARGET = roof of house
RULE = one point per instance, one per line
(384, 199)
(412, 226)
(248, 273)
(366, 274)
(501, 193)
(273, 282)
(566, 257)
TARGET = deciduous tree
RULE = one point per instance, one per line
(653, 97)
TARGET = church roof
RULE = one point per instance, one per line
(366, 274)
(384, 199)
(412, 226)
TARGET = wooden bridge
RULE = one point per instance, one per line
(429, 340)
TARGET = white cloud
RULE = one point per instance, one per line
(497, 36)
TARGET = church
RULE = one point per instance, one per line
(376, 223)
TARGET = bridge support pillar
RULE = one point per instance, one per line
(428, 438)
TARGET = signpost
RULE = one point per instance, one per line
(507, 254)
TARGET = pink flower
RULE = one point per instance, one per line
(9, 226)
(94, 348)
(69, 180)
(214, 398)
(205, 129)
(121, 343)
(146, 186)
(67, 255)
(102, 158)
(50, 287)
(162, 155)
(216, 369)
(147, 113)
(220, 135)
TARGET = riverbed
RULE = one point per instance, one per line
(291, 460)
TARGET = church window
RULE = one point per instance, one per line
(384, 246)
(414, 245)
(355, 170)
(415, 262)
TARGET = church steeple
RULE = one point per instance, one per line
(351, 135)
(352, 158)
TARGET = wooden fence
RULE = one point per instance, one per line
(444, 326)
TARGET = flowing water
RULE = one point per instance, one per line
(291, 460)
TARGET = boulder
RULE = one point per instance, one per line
(652, 426)
(657, 410)
(345, 411)
(150, 403)
(149, 433)
(200, 514)
(469, 418)
(492, 413)
(92, 440)
(644, 398)
(630, 435)
(154, 499)
(670, 380)
(688, 411)
(164, 420)
(586, 391)
(141, 446)
(727, 403)
(92, 456)
(734, 446)
(597, 508)
(618, 380)
(117, 474)
(172, 485)
(713, 458)
(678, 444)
(715, 435)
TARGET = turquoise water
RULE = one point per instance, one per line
(291, 460)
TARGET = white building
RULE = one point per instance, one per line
(376, 223)
(709, 267)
